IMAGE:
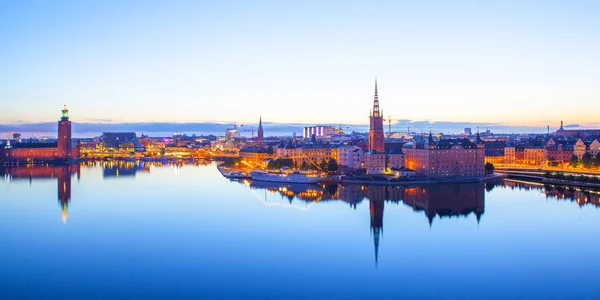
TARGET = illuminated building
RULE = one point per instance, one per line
(350, 156)
(61, 151)
(534, 155)
(254, 155)
(446, 157)
(119, 140)
(376, 160)
(64, 135)
(579, 149)
(510, 155)
(376, 141)
(318, 131)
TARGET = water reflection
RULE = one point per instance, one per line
(581, 196)
(63, 175)
(123, 169)
(442, 200)
(434, 201)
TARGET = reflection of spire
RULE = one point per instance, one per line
(376, 210)
(64, 190)
(65, 207)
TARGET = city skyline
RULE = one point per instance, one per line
(519, 64)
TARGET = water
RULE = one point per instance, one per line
(151, 231)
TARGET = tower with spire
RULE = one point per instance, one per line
(260, 129)
(64, 135)
(376, 141)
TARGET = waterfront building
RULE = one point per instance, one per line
(534, 155)
(375, 162)
(254, 155)
(314, 154)
(559, 152)
(446, 157)
(350, 156)
(62, 150)
(396, 159)
(510, 155)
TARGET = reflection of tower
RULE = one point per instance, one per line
(260, 129)
(64, 135)
(64, 189)
(376, 142)
(376, 210)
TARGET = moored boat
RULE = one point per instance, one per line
(292, 177)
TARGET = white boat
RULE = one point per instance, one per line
(292, 177)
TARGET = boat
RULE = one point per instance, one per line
(291, 177)
(237, 175)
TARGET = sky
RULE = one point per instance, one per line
(518, 63)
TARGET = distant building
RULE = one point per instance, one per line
(468, 131)
(261, 133)
(576, 133)
(232, 133)
(120, 140)
(318, 131)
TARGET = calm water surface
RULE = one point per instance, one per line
(153, 231)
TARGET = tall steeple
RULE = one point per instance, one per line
(260, 129)
(376, 140)
(376, 102)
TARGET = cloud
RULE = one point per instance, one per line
(91, 129)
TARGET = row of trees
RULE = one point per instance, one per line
(489, 168)
(570, 177)
(330, 165)
(587, 161)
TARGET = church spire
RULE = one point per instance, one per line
(260, 128)
(376, 102)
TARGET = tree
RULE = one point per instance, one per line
(270, 150)
(323, 165)
(574, 161)
(280, 163)
(489, 168)
(587, 160)
(598, 159)
(332, 165)
(304, 166)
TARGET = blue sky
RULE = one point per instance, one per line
(526, 63)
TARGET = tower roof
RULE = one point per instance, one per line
(375, 112)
